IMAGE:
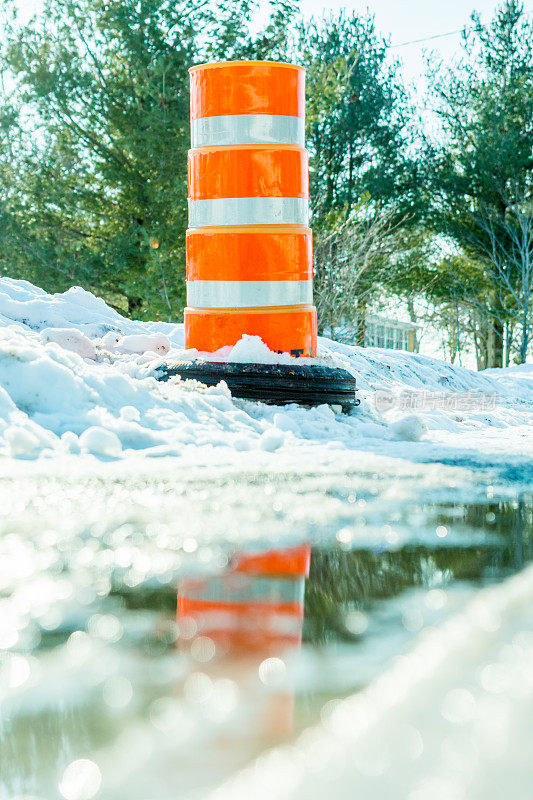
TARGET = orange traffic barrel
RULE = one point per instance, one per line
(247, 102)
(250, 252)
(257, 606)
(248, 185)
(249, 248)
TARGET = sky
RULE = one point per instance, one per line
(407, 20)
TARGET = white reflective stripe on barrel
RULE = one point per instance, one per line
(249, 211)
(248, 294)
(239, 588)
(248, 129)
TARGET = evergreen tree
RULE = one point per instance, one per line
(357, 118)
(482, 169)
(93, 159)
(365, 194)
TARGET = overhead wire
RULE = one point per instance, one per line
(444, 35)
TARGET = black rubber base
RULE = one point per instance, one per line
(278, 384)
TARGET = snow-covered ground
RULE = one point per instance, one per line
(77, 378)
(109, 478)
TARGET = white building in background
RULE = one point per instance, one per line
(382, 331)
(390, 333)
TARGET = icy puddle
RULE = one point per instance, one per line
(136, 668)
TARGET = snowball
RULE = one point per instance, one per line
(283, 422)
(21, 442)
(141, 342)
(101, 442)
(130, 414)
(70, 442)
(410, 428)
(271, 440)
(70, 339)
(110, 340)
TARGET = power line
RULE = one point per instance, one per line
(427, 39)
(442, 35)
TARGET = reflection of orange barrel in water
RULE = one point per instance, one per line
(256, 607)
(249, 250)
(248, 618)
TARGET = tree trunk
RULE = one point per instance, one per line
(361, 323)
(134, 306)
(453, 349)
(496, 334)
(481, 336)
(495, 345)
(329, 180)
(350, 181)
(134, 301)
(525, 334)
(412, 338)
(506, 345)
(477, 352)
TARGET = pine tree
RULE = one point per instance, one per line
(93, 150)
(482, 169)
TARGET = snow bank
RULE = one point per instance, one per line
(76, 377)
(28, 307)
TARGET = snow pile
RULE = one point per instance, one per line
(27, 306)
(76, 377)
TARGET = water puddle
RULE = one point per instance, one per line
(120, 681)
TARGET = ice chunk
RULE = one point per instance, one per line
(410, 428)
(284, 422)
(141, 342)
(110, 340)
(271, 440)
(130, 414)
(21, 442)
(100, 442)
(70, 339)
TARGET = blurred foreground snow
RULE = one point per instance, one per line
(451, 720)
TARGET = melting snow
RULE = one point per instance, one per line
(83, 507)
(76, 377)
